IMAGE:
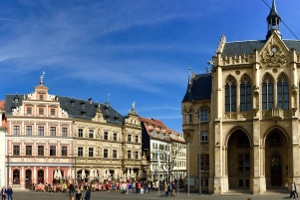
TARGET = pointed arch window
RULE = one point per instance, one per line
(283, 92)
(245, 94)
(230, 95)
(267, 92)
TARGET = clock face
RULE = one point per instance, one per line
(274, 49)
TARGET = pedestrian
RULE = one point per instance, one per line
(293, 189)
(78, 195)
(166, 189)
(88, 194)
(3, 193)
(9, 193)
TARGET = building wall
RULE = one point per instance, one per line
(256, 149)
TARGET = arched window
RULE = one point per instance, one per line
(230, 95)
(283, 92)
(16, 176)
(267, 92)
(245, 94)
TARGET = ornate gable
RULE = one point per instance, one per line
(274, 53)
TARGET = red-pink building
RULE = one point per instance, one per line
(39, 139)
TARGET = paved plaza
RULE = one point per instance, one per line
(29, 195)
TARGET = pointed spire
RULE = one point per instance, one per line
(273, 20)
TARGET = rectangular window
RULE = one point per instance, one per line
(64, 131)
(41, 97)
(129, 154)
(16, 150)
(41, 111)
(40, 150)
(105, 153)
(115, 137)
(16, 130)
(204, 136)
(40, 130)
(136, 139)
(80, 152)
(28, 150)
(105, 135)
(64, 151)
(29, 110)
(28, 130)
(52, 131)
(52, 112)
(114, 153)
(52, 150)
(204, 115)
(204, 162)
(136, 155)
(91, 133)
(80, 132)
(129, 138)
(91, 152)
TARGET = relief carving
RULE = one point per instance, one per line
(273, 56)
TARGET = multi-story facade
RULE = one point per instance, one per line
(248, 124)
(164, 149)
(39, 138)
(52, 138)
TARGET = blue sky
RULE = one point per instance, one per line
(124, 50)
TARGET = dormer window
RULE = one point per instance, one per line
(73, 102)
(83, 113)
(83, 105)
(16, 100)
(12, 108)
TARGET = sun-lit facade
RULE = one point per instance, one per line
(243, 117)
(53, 139)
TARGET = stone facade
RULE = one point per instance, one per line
(248, 119)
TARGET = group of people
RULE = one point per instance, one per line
(6, 193)
(170, 189)
(77, 193)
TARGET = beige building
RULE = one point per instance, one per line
(107, 146)
(243, 117)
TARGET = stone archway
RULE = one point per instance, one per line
(276, 159)
(239, 160)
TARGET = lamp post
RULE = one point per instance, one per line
(199, 149)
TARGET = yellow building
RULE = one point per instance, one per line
(243, 117)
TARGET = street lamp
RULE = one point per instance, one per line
(199, 149)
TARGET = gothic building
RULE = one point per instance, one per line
(241, 121)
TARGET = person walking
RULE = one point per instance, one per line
(166, 189)
(88, 194)
(293, 189)
(9, 193)
(3, 193)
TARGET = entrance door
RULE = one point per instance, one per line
(276, 170)
(28, 181)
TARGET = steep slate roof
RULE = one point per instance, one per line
(74, 107)
(247, 47)
(199, 88)
(157, 126)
